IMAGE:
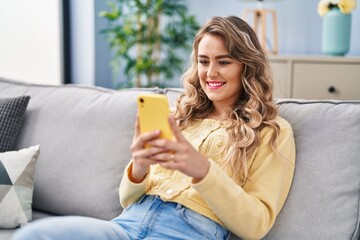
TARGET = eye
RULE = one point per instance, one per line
(224, 62)
(203, 62)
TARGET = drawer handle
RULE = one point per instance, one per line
(332, 89)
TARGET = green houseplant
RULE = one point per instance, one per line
(148, 38)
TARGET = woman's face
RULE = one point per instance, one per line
(219, 74)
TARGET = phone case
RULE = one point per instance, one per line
(153, 114)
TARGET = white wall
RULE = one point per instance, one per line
(90, 60)
(82, 41)
(30, 41)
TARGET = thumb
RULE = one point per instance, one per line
(176, 130)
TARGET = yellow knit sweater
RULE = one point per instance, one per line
(248, 209)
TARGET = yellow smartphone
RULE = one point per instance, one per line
(153, 112)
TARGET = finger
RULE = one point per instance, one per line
(161, 143)
(161, 157)
(137, 126)
(176, 130)
(169, 165)
(139, 142)
(147, 152)
(155, 151)
(148, 136)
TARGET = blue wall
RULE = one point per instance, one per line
(299, 32)
(299, 25)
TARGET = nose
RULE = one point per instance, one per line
(212, 71)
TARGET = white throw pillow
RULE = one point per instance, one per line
(16, 186)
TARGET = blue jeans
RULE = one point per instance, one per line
(150, 218)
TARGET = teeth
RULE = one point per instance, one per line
(215, 84)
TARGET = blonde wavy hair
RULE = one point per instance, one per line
(255, 108)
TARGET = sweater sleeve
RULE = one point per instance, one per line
(130, 192)
(250, 211)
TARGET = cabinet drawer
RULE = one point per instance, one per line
(326, 81)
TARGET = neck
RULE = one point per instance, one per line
(216, 115)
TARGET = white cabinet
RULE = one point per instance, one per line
(312, 77)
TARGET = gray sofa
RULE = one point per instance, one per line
(84, 135)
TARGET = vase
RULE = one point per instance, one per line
(336, 33)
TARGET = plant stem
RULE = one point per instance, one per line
(138, 50)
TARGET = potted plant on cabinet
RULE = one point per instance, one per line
(148, 38)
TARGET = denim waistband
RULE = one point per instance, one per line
(158, 199)
(151, 215)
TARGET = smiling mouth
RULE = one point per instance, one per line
(215, 85)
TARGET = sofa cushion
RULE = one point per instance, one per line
(85, 135)
(172, 94)
(6, 233)
(324, 199)
(16, 186)
(12, 111)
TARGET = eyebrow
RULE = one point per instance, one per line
(217, 57)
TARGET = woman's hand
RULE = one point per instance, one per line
(179, 155)
(141, 155)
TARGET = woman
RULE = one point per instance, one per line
(229, 167)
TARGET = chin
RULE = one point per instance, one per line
(213, 97)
